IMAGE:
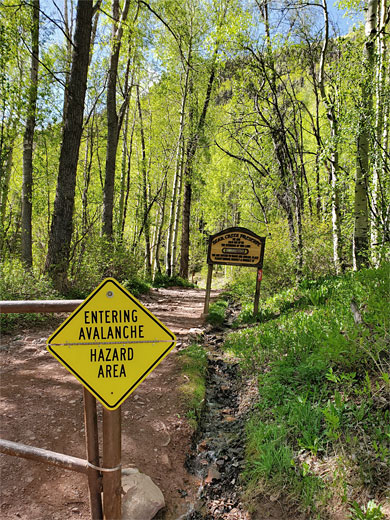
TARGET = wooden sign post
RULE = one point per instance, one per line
(235, 246)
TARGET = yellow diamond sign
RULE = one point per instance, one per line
(111, 343)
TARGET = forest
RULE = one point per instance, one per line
(132, 131)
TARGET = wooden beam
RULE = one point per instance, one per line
(49, 457)
(208, 290)
(111, 460)
(257, 293)
(92, 447)
(12, 307)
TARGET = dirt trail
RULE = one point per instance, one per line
(42, 405)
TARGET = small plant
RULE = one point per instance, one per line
(217, 312)
(136, 286)
(332, 418)
(162, 280)
(371, 512)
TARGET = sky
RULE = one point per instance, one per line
(345, 23)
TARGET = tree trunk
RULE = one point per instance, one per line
(159, 232)
(57, 260)
(113, 127)
(361, 229)
(175, 186)
(4, 181)
(185, 230)
(126, 200)
(188, 170)
(68, 31)
(381, 132)
(145, 195)
(28, 141)
(334, 155)
(87, 178)
(175, 237)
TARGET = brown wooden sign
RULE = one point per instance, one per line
(236, 246)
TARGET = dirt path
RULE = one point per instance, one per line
(42, 405)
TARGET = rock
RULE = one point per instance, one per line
(165, 460)
(195, 330)
(203, 445)
(213, 474)
(143, 499)
(229, 418)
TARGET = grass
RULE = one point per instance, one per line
(217, 311)
(323, 393)
(194, 368)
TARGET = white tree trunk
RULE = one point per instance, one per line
(361, 229)
(380, 135)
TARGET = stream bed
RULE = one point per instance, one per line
(218, 451)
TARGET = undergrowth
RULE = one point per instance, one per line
(321, 429)
(162, 280)
(217, 312)
(194, 367)
(18, 283)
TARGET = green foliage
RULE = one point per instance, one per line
(194, 367)
(371, 512)
(101, 259)
(18, 283)
(162, 280)
(136, 286)
(323, 380)
(217, 311)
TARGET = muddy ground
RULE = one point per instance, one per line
(42, 406)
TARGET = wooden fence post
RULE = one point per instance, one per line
(208, 290)
(257, 293)
(92, 448)
(112, 486)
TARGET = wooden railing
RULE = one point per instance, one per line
(90, 466)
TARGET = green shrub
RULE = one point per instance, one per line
(98, 260)
(162, 280)
(371, 512)
(217, 311)
(136, 286)
(18, 283)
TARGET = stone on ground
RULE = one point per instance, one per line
(143, 499)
